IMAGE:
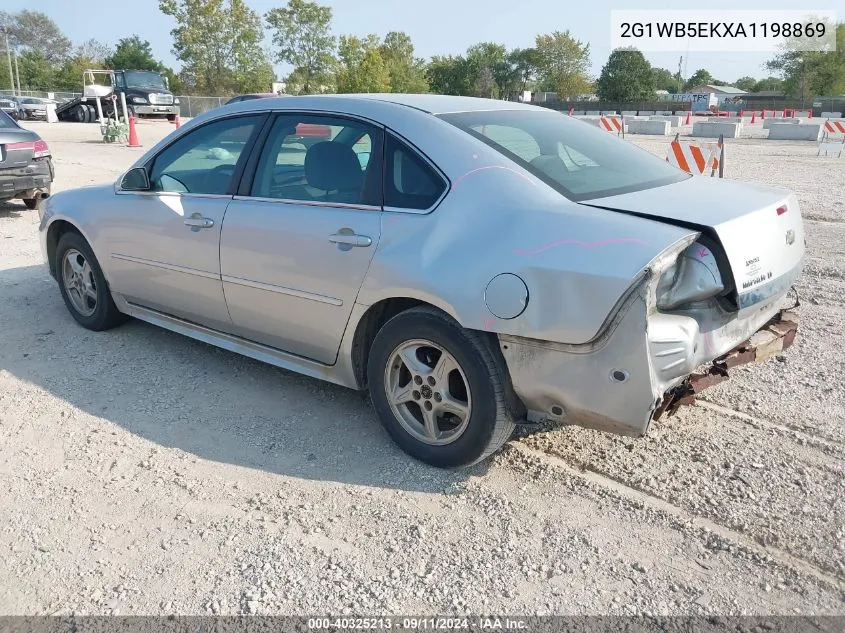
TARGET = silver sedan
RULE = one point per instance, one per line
(475, 264)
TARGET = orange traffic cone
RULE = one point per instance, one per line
(177, 122)
(689, 117)
(763, 114)
(571, 110)
(753, 116)
(133, 133)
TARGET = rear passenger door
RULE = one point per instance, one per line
(298, 238)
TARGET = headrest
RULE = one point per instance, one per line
(333, 167)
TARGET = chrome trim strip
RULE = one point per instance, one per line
(173, 267)
(169, 194)
(310, 203)
(282, 290)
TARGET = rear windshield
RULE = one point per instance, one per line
(579, 160)
(7, 122)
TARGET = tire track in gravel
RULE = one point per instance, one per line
(771, 486)
(831, 445)
(629, 493)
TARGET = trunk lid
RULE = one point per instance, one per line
(759, 227)
(16, 147)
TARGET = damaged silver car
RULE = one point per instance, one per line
(475, 264)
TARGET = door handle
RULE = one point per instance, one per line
(199, 222)
(351, 239)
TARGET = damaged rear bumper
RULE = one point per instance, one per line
(776, 336)
(642, 365)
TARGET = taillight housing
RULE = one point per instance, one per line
(39, 148)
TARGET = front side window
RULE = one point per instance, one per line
(577, 159)
(409, 182)
(203, 161)
(320, 159)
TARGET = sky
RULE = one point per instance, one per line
(437, 27)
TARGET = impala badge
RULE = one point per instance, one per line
(790, 237)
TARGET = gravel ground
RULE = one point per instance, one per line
(145, 473)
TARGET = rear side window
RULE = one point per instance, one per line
(410, 182)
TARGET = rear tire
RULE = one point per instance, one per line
(470, 379)
(79, 113)
(83, 286)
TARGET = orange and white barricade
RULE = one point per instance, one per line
(698, 158)
(833, 138)
(612, 124)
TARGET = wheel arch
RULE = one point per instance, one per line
(57, 228)
(380, 312)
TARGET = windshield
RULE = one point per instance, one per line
(31, 101)
(579, 160)
(144, 79)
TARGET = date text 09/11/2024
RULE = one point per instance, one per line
(417, 624)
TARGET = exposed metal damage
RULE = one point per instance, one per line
(777, 335)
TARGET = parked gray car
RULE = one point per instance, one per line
(26, 164)
(475, 264)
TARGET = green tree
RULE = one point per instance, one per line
(664, 80)
(37, 32)
(525, 63)
(492, 70)
(36, 72)
(768, 84)
(302, 34)
(813, 73)
(627, 76)
(407, 73)
(219, 45)
(746, 83)
(563, 64)
(698, 78)
(361, 67)
(451, 75)
(133, 53)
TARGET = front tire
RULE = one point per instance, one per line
(438, 389)
(83, 286)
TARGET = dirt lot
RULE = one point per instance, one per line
(146, 473)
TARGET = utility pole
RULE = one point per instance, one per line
(17, 73)
(680, 76)
(9, 60)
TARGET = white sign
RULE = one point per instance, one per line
(718, 31)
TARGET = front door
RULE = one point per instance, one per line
(295, 249)
(164, 243)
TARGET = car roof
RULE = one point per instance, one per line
(431, 103)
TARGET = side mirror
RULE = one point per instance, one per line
(136, 179)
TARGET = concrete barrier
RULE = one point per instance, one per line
(674, 121)
(609, 112)
(629, 112)
(768, 123)
(663, 112)
(831, 115)
(578, 113)
(802, 113)
(682, 113)
(646, 112)
(714, 129)
(660, 128)
(593, 112)
(805, 132)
